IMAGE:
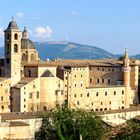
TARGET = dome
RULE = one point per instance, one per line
(27, 44)
(12, 25)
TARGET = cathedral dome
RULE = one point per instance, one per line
(27, 44)
(12, 25)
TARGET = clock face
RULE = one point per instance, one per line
(8, 60)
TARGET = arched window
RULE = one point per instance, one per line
(15, 36)
(24, 57)
(32, 57)
(44, 108)
(16, 48)
(8, 36)
(8, 49)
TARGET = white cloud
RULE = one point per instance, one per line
(20, 15)
(74, 13)
(43, 33)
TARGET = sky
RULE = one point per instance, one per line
(112, 25)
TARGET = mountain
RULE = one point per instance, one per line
(70, 50)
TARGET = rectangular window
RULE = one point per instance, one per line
(122, 92)
(90, 80)
(33, 86)
(81, 95)
(37, 95)
(87, 94)
(1, 98)
(102, 80)
(78, 102)
(24, 106)
(75, 95)
(106, 93)
(30, 95)
(98, 81)
(24, 100)
(114, 92)
(109, 81)
(97, 93)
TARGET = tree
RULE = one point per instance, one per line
(67, 124)
(130, 132)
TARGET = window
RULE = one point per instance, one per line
(32, 57)
(24, 100)
(56, 93)
(65, 85)
(109, 81)
(96, 109)
(114, 92)
(112, 70)
(33, 86)
(8, 48)
(81, 95)
(87, 94)
(78, 102)
(62, 92)
(105, 109)
(106, 93)
(102, 80)
(75, 95)
(59, 85)
(2, 107)
(1, 98)
(81, 76)
(90, 80)
(30, 95)
(75, 85)
(15, 48)
(8, 36)
(123, 102)
(122, 92)
(98, 81)
(102, 69)
(81, 84)
(97, 93)
(24, 106)
(110, 102)
(44, 108)
(37, 95)
(101, 103)
(98, 68)
(15, 36)
(24, 57)
(75, 76)
(92, 103)
(108, 69)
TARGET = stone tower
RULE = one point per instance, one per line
(126, 77)
(12, 52)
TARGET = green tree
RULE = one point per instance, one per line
(131, 132)
(67, 124)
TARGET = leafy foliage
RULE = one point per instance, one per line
(66, 124)
(131, 132)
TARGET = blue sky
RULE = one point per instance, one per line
(108, 24)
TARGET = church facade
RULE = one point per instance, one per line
(28, 84)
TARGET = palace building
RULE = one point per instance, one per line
(28, 84)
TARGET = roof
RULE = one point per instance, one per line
(23, 82)
(15, 116)
(18, 123)
(12, 25)
(47, 73)
(27, 44)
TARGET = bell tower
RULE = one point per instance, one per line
(126, 77)
(12, 52)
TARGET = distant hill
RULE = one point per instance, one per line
(70, 50)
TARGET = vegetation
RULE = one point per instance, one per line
(131, 132)
(66, 124)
